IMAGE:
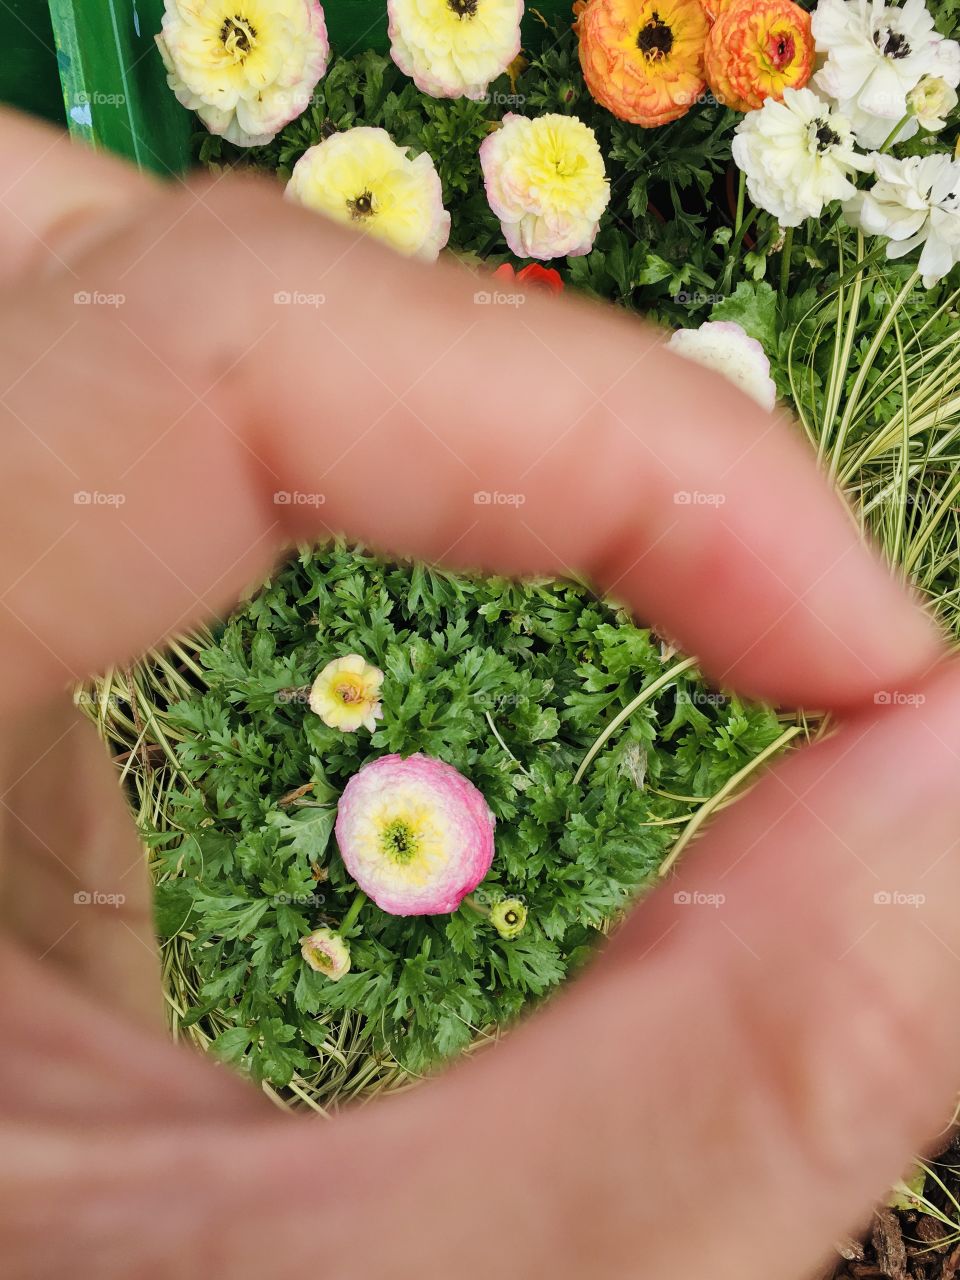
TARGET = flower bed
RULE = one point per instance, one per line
(777, 186)
(509, 685)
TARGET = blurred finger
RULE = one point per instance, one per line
(74, 888)
(56, 197)
(553, 439)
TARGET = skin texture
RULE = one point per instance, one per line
(733, 1080)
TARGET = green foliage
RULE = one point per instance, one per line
(509, 683)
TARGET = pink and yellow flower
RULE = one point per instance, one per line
(643, 59)
(415, 834)
(360, 177)
(327, 953)
(546, 182)
(346, 694)
(756, 50)
(454, 48)
(247, 67)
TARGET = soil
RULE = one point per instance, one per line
(906, 1244)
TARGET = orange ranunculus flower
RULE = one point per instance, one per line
(643, 59)
(714, 8)
(756, 49)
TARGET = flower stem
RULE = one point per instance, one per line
(785, 265)
(471, 902)
(892, 136)
(350, 919)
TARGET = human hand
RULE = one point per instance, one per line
(730, 1086)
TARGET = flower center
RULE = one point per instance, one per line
(825, 136)
(892, 44)
(361, 207)
(237, 36)
(399, 841)
(781, 49)
(655, 40)
(463, 8)
(348, 692)
(511, 917)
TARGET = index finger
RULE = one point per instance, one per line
(543, 439)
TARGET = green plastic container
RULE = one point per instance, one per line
(93, 65)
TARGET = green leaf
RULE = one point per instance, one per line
(754, 307)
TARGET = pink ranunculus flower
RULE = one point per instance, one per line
(415, 834)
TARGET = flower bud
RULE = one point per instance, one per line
(327, 953)
(509, 917)
(931, 102)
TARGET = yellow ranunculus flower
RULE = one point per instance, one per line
(362, 178)
(346, 694)
(247, 67)
(454, 48)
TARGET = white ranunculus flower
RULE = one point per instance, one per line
(797, 155)
(875, 55)
(725, 347)
(932, 101)
(914, 202)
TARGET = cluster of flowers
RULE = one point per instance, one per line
(414, 833)
(544, 177)
(884, 73)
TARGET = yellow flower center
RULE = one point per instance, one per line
(349, 691)
(399, 841)
(655, 39)
(238, 36)
(463, 8)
